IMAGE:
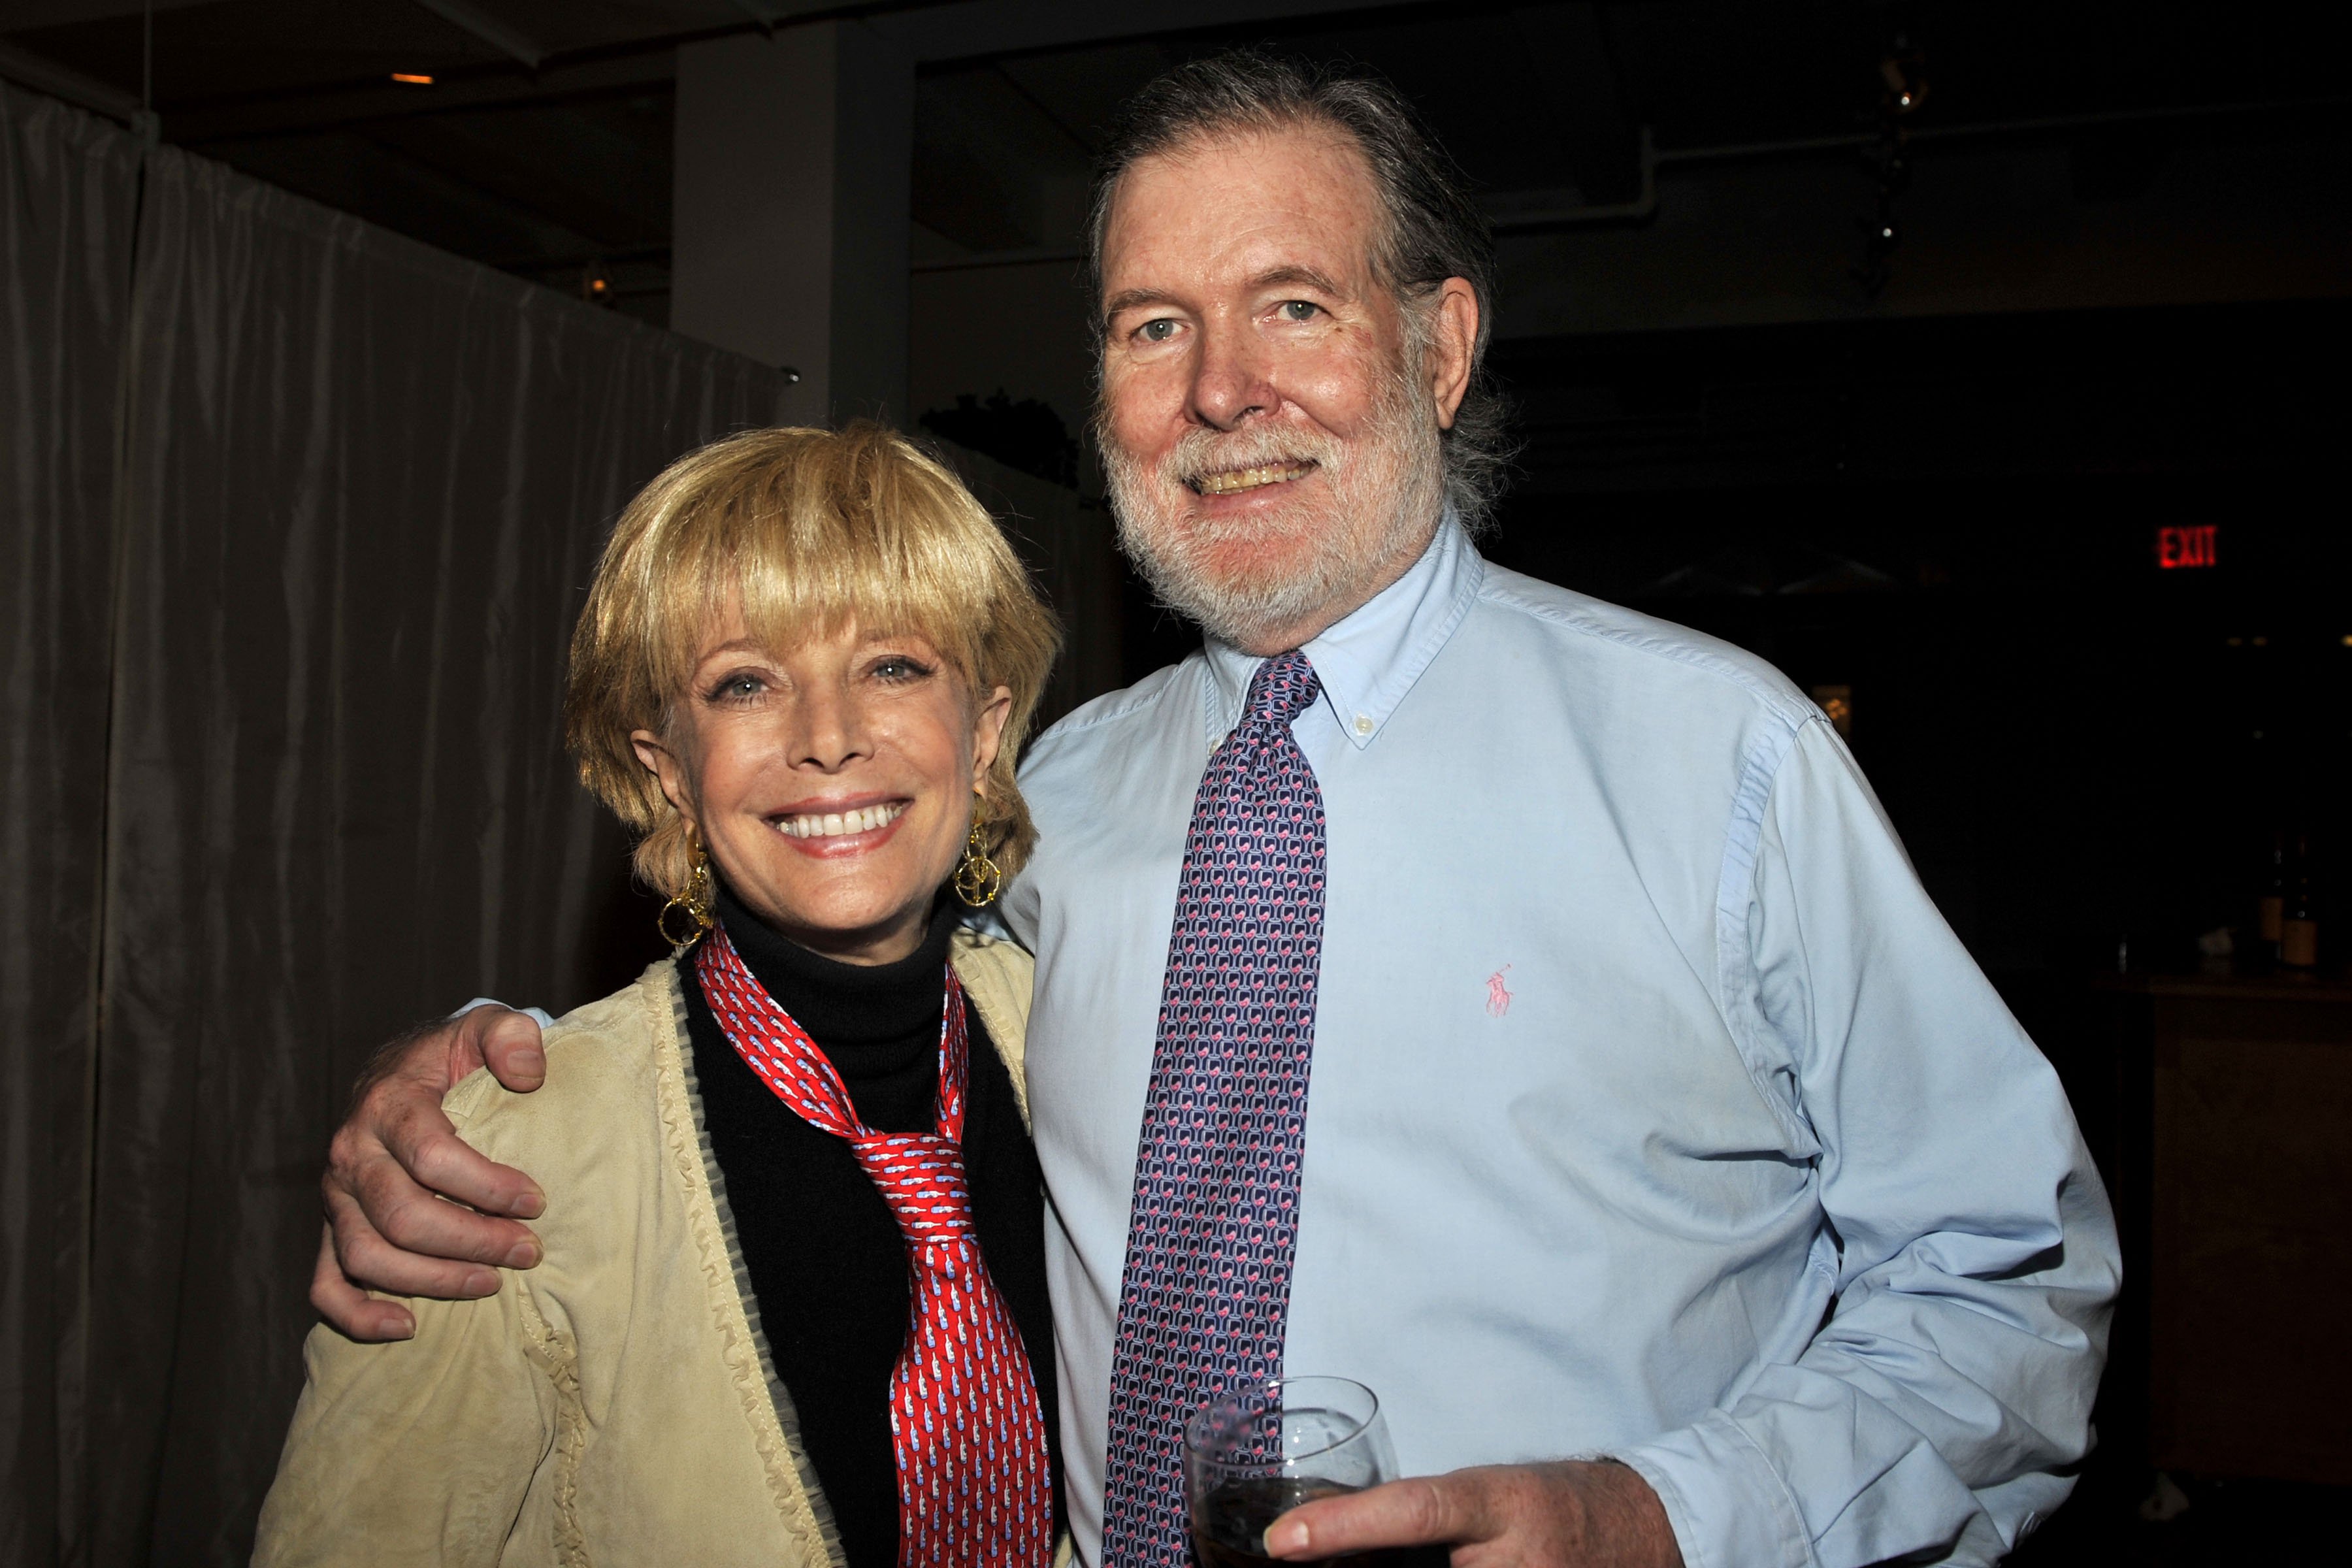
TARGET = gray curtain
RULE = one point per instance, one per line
(314, 788)
(68, 188)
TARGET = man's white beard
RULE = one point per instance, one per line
(1380, 494)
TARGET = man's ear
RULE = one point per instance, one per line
(1452, 345)
(669, 771)
(988, 733)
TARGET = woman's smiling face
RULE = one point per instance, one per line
(833, 782)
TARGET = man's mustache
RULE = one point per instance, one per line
(1201, 453)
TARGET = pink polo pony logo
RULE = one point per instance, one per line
(1498, 996)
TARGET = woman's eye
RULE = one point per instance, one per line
(899, 667)
(1300, 309)
(738, 689)
(1157, 331)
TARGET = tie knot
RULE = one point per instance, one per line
(921, 1177)
(1281, 690)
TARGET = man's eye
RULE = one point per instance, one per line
(1300, 309)
(1157, 331)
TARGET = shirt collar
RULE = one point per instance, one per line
(1370, 658)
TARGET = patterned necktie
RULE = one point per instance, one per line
(1206, 1293)
(973, 1484)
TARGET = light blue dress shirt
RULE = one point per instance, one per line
(1654, 1111)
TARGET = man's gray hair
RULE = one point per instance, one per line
(1434, 230)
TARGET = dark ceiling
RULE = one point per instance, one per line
(552, 168)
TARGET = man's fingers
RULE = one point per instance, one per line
(510, 1046)
(407, 1218)
(1426, 1511)
(1568, 1510)
(429, 1150)
(369, 1261)
(350, 1308)
(385, 1231)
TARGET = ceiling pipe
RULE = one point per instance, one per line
(1640, 209)
(1034, 256)
(1645, 206)
(42, 75)
(469, 17)
(1652, 159)
(1536, 221)
(774, 14)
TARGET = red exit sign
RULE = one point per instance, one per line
(2177, 547)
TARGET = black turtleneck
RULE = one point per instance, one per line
(826, 1259)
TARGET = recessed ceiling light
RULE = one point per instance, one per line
(413, 79)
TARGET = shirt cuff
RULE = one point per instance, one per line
(1727, 1504)
(536, 1015)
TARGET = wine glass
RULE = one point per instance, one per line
(1256, 1452)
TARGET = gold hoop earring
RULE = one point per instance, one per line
(978, 878)
(694, 899)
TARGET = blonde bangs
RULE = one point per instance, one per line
(804, 532)
(810, 564)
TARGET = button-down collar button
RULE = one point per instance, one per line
(1363, 723)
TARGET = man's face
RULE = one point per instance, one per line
(1269, 423)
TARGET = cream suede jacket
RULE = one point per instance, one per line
(616, 1404)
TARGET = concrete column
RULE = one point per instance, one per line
(790, 211)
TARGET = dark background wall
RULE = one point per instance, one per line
(1959, 519)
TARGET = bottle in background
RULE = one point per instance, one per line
(2299, 913)
(2270, 908)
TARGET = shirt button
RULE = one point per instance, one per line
(1363, 724)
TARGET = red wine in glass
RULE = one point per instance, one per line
(1255, 1453)
(1229, 1524)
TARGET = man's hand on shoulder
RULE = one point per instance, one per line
(396, 1159)
(1588, 1513)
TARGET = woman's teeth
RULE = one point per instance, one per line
(834, 824)
(1233, 479)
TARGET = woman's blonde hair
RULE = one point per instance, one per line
(804, 532)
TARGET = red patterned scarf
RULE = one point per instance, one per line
(973, 1484)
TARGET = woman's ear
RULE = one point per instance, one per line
(677, 787)
(988, 733)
